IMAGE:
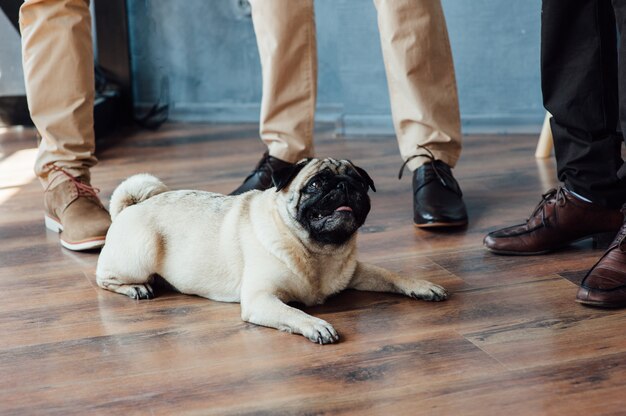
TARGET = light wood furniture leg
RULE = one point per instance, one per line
(545, 144)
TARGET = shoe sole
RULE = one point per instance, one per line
(91, 244)
(441, 224)
(603, 305)
(521, 253)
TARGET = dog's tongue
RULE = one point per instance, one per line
(344, 208)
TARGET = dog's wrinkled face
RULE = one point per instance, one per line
(328, 198)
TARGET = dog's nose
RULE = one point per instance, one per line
(342, 186)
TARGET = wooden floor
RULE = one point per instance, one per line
(510, 340)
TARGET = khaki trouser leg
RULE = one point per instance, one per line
(285, 32)
(420, 75)
(59, 74)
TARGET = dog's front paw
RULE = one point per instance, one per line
(430, 292)
(319, 331)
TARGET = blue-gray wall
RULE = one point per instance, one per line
(11, 74)
(206, 51)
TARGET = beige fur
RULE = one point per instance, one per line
(247, 248)
(136, 189)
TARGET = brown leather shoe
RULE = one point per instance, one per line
(73, 209)
(261, 176)
(560, 219)
(605, 284)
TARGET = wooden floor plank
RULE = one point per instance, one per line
(580, 334)
(509, 340)
(268, 374)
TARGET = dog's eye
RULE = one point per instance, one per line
(315, 185)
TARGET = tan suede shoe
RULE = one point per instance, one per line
(73, 209)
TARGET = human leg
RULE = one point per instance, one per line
(285, 31)
(605, 284)
(425, 106)
(579, 84)
(59, 77)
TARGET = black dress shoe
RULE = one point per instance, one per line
(261, 176)
(437, 197)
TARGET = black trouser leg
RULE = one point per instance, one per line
(580, 88)
(620, 17)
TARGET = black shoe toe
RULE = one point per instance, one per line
(438, 200)
(261, 177)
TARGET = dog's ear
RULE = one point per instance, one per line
(363, 174)
(283, 177)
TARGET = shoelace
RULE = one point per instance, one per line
(555, 194)
(82, 188)
(620, 238)
(428, 155)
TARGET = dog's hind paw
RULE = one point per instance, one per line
(138, 291)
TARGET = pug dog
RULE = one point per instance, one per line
(295, 242)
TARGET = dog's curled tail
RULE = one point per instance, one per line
(134, 190)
